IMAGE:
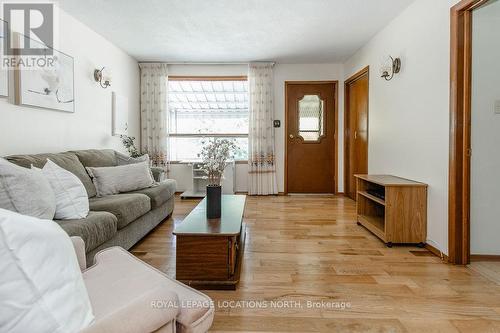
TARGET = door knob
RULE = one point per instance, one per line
(291, 136)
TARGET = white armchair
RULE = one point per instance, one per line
(129, 296)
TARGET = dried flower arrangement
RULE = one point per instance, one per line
(158, 160)
(215, 154)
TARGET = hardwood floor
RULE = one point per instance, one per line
(489, 269)
(303, 248)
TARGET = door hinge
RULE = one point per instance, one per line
(469, 152)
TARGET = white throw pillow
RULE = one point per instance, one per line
(41, 286)
(25, 191)
(72, 202)
(123, 159)
(119, 179)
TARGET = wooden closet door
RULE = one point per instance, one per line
(356, 130)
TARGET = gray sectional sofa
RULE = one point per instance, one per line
(115, 220)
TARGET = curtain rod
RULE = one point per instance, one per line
(206, 63)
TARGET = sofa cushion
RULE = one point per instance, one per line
(159, 193)
(26, 191)
(126, 207)
(96, 157)
(158, 173)
(121, 179)
(95, 229)
(71, 197)
(117, 273)
(122, 159)
(67, 161)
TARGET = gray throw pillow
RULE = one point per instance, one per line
(26, 191)
(123, 159)
(122, 178)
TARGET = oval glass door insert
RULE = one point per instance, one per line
(311, 118)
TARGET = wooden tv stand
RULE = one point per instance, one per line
(392, 208)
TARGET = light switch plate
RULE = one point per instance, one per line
(497, 107)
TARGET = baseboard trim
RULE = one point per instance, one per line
(340, 194)
(436, 252)
(484, 257)
(246, 193)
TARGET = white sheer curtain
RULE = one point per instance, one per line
(261, 158)
(154, 117)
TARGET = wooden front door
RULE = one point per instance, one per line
(355, 130)
(310, 137)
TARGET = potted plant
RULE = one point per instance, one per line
(215, 154)
(129, 144)
(156, 160)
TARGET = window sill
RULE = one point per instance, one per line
(236, 162)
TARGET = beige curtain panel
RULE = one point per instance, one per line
(261, 158)
(154, 118)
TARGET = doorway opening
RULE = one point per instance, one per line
(467, 202)
(356, 90)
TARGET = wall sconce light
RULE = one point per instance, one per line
(103, 79)
(389, 70)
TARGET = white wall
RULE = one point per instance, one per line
(34, 130)
(485, 210)
(409, 116)
(282, 73)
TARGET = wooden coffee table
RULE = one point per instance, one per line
(209, 252)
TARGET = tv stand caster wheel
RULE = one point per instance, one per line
(421, 245)
(389, 244)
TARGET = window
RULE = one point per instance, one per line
(311, 118)
(204, 108)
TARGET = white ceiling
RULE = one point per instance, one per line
(286, 31)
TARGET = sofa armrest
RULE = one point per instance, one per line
(158, 173)
(146, 313)
(79, 246)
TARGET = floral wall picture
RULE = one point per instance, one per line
(50, 87)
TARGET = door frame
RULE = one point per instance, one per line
(336, 126)
(460, 131)
(363, 72)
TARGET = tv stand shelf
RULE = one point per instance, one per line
(372, 197)
(394, 209)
